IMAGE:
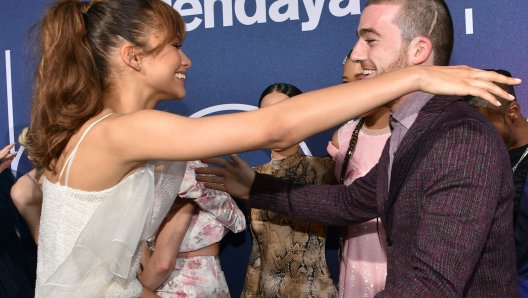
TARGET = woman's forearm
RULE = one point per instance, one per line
(172, 231)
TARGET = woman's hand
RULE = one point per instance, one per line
(462, 81)
(6, 158)
(234, 177)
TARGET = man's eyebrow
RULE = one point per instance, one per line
(364, 31)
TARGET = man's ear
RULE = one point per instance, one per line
(420, 51)
(514, 110)
(130, 56)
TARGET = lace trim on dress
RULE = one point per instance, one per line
(89, 196)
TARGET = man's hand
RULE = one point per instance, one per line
(234, 177)
(5, 157)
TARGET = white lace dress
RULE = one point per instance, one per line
(89, 241)
(64, 216)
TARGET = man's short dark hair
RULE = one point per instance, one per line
(479, 102)
(427, 18)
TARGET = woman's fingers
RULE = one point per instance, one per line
(5, 151)
(5, 157)
(10, 156)
(484, 94)
(484, 80)
(463, 80)
(5, 163)
(486, 90)
(495, 77)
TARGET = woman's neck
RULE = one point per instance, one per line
(282, 154)
(378, 120)
(127, 94)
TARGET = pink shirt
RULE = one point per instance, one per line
(368, 150)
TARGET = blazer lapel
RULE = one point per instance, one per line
(409, 146)
(382, 185)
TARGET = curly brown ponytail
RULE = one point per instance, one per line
(74, 71)
(67, 91)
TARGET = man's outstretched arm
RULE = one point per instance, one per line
(325, 204)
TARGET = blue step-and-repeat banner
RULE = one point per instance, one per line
(239, 47)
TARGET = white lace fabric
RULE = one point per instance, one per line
(89, 241)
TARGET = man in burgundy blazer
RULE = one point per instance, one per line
(447, 212)
(443, 186)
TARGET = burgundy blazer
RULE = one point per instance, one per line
(448, 212)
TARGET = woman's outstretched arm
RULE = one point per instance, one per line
(160, 135)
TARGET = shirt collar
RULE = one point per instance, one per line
(408, 111)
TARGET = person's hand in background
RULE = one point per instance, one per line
(6, 158)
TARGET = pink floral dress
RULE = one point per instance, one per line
(218, 213)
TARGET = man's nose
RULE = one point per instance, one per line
(359, 52)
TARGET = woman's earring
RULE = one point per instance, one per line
(139, 66)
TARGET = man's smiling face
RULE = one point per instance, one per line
(379, 48)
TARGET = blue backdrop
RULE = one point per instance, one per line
(239, 47)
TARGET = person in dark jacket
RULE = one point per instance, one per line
(18, 252)
(513, 128)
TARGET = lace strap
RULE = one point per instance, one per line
(69, 160)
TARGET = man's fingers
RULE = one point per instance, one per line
(210, 178)
(209, 171)
(237, 159)
(216, 186)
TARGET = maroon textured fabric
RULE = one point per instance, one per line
(448, 210)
